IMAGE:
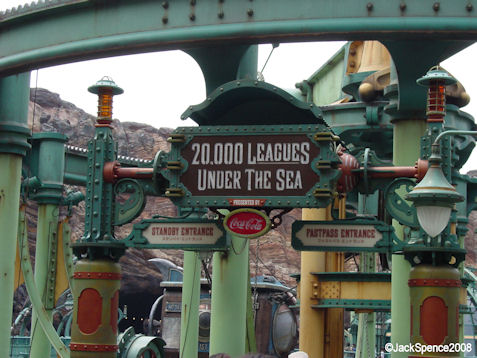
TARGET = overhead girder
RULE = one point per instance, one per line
(74, 30)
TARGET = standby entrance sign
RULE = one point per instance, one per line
(184, 234)
(249, 166)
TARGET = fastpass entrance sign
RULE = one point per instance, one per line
(244, 166)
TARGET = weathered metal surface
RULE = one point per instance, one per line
(75, 30)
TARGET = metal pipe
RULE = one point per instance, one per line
(453, 132)
(151, 314)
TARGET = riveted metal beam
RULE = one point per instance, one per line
(69, 30)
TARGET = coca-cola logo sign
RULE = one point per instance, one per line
(248, 223)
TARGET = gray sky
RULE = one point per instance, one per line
(158, 87)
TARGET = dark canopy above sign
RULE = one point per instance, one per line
(251, 102)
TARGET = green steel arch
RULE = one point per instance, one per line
(73, 30)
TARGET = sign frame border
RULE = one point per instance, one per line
(137, 240)
(385, 245)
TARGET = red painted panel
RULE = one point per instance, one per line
(90, 307)
(433, 319)
(113, 318)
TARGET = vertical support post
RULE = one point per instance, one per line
(334, 324)
(406, 150)
(229, 299)
(230, 269)
(367, 204)
(312, 321)
(190, 305)
(48, 166)
(14, 96)
(46, 233)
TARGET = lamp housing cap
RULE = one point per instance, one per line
(105, 82)
(436, 74)
(434, 189)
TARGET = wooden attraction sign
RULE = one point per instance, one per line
(251, 166)
(185, 234)
(342, 235)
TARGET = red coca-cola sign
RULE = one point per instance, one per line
(249, 223)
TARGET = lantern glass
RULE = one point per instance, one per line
(433, 219)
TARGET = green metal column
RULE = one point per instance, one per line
(47, 164)
(190, 305)
(230, 274)
(14, 96)
(229, 299)
(407, 134)
(46, 230)
(366, 342)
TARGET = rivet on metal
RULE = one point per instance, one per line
(192, 2)
(250, 12)
(220, 15)
(469, 7)
(436, 6)
(192, 17)
(369, 6)
(165, 20)
(165, 4)
(402, 6)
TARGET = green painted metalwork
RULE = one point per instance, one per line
(405, 152)
(14, 130)
(14, 95)
(9, 197)
(229, 299)
(133, 345)
(333, 236)
(190, 305)
(68, 252)
(252, 102)
(46, 162)
(375, 305)
(91, 30)
(132, 207)
(396, 204)
(324, 165)
(99, 194)
(45, 275)
(326, 81)
(43, 317)
(137, 237)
